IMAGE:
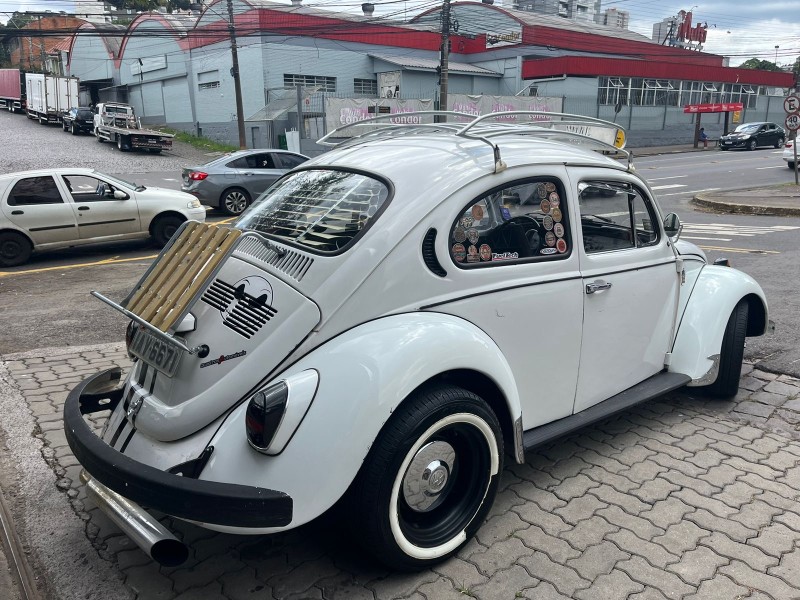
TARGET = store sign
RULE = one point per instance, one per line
(713, 107)
(507, 37)
(485, 104)
(346, 111)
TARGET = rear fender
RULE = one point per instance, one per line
(364, 375)
(702, 326)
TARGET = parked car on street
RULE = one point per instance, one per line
(52, 209)
(77, 120)
(392, 321)
(231, 182)
(753, 135)
(788, 153)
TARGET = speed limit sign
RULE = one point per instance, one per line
(793, 122)
(791, 104)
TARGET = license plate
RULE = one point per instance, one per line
(155, 352)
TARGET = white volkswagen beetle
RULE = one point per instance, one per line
(392, 321)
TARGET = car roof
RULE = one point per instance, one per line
(239, 153)
(57, 171)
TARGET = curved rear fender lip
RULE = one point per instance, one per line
(364, 375)
(702, 325)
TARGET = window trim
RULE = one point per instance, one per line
(565, 221)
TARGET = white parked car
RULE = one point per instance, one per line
(788, 153)
(390, 323)
(59, 208)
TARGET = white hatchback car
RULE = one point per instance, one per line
(392, 321)
(59, 208)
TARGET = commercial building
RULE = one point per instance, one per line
(176, 69)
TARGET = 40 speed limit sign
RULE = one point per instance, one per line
(793, 122)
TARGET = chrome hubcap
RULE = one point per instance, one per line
(425, 481)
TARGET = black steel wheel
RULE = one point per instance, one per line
(72, 129)
(164, 227)
(429, 479)
(15, 249)
(731, 354)
(234, 201)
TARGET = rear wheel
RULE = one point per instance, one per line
(15, 249)
(779, 143)
(164, 228)
(429, 479)
(731, 354)
(122, 145)
(234, 201)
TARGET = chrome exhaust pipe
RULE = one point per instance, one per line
(138, 524)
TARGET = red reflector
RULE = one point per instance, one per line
(198, 175)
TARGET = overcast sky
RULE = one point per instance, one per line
(740, 29)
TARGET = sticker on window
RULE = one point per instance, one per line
(485, 252)
(459, 252)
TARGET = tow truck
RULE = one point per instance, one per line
(117, 123)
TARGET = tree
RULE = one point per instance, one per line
(761, 65)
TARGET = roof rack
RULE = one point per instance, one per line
(596, 134)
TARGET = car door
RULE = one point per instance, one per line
(99, 213)
(36, 205)
(630, 289)
(264, 172)
(514, 243)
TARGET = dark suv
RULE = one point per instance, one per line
(753, 135)
(78, 119)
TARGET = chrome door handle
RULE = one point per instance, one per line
(597, 286)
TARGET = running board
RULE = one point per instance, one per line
(655, 386)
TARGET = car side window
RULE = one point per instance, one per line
(239, 163)
(520, 221)
(88, 189)
(615, 216)
(290, 161)
(35, 190)
(260, 161)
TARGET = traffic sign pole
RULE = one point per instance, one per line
(791, 104)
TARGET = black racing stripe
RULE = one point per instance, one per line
(118, 432)
(127, 440)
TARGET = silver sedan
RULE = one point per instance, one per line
(231, 182)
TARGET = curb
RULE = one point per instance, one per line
(746, 209)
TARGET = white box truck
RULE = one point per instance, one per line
(48, 96)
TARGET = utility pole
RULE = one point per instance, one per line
(445, 57)
(237, 86)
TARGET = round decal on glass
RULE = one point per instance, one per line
(547, 222)
(550, 186)
(477, 212)
(472, 254)
(467, 220)
(561, 245)
(459, 234)
(459, 252)
(557, 214)
(558, 229)
(545, 206)
(550, 239)
(485, 252)
(554, 199)
(472, 235)
(541, 191)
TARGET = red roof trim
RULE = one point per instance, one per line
(587, 66)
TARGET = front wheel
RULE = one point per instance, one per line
(791, 165)
(121, 145)
(731, 354)
(97, 135)
(164, 228)
(234, 201)
(15, 249)
(73, 130)
(429, 479)
(752, 145)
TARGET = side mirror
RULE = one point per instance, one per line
(672, 226)
(120, 195)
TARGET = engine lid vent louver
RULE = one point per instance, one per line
(294, 264)
(429, 254)
(242, 312)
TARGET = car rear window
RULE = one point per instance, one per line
(324, 211)
(85, 114)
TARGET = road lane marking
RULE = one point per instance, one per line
(689, 237)
(225, 221)
(764, 168)
(669, 186)
(107, 261)
(670, 177)
(694, 192)
(739, 250)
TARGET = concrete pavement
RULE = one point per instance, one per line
(681, 498)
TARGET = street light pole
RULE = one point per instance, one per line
(445, 59)
(776, 55)
(237, 86)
